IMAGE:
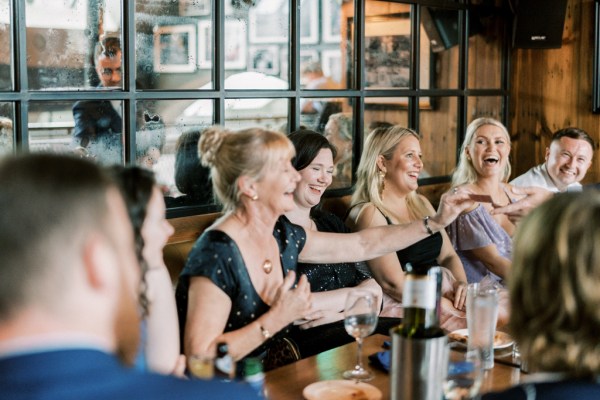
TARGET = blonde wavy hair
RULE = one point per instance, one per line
(465, 172)
(554, 285)
(383, 142)
(231, 155)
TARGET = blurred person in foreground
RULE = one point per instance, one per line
(69, 289)
(554, 292)
(159, 341)
(239, 284)
(567, 160)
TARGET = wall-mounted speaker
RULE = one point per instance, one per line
(539, 24)
(441, 26)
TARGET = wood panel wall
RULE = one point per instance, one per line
(552, 89)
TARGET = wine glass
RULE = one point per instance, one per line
(464, 372)
(360, 319)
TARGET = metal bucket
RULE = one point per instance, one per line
(418, 367)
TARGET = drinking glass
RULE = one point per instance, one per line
(360, 319)
(464, 372)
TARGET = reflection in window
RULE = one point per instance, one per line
(264, 113)
(167, 143)
(441, 27)
(61, 38)
(5, 48)
(315, 112)
(91, 129)
(7, 138)
(339, 130)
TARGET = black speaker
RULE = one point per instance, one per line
(539, 24)
(441, 26)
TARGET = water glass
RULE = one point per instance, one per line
(482, 324)
(463, 373)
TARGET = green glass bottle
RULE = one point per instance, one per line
(421, 301)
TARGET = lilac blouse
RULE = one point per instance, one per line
(474, 230)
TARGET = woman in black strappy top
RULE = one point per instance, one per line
(386, 195)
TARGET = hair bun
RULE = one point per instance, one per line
(209, 145)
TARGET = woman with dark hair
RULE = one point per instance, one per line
(159, 350)
(330, 283)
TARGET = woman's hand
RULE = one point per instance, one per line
(452, 204)
(460, 295)
(292, 302)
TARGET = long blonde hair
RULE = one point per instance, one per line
(230, 155)
(465, 172)
(383, 142)
(554, 285)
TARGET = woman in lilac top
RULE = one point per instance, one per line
(483, 241)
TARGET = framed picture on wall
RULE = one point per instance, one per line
(331, 20)
(388, 60)
(194, 8)
(309, 22)
(175, 48)
(235, 44)
(264, 59)
(269, 24)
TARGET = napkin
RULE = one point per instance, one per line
(381, 360)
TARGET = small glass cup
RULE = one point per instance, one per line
(464, 372)
(201, 366)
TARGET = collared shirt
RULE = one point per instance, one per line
(538, 176)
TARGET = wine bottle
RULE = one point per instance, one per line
(224, 366)
(421, 301)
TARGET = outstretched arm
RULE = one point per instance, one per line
(534, 196)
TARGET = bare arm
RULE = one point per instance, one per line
(375, 242)
(208, 311)
(162, 346)
(534, 196)
(492, 259)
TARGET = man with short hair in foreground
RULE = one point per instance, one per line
(69, 288)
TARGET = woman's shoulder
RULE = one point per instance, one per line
(328, 222)
(365, 215)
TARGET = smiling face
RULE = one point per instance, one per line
(156, 230)
(276, 189)
(403, 169)
(489, 151)
(568, 160)
(314, 180)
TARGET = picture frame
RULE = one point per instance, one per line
(269, 25)
(175, 48)
(388, 60)
(331, 21)
(235, 47)
(331, 63)
(264, 59)
(195, 8)
(309, 22)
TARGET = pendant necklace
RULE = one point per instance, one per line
(267, 266)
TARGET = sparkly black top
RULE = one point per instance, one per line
(217, 257)
(323, 277)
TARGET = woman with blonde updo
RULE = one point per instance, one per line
(239, 285)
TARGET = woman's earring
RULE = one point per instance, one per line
(255, 197)
(381, 182)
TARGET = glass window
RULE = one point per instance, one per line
(7, 139)
(68, 48)
(315, 112)
(382, 112)
(438, 126)
(264, 113)
(167, 142)
(90, 128)
(484, 106)
(5, 46)
(441, 28)
(339, 130)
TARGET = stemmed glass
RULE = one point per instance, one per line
(464, 372)
(360, 320)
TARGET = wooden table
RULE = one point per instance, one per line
(287, 383)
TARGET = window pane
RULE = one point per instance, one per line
(174, 44)
(61, 40)
(438, 126)
(7, 138)
(315, 112)
(167, 142)
(379, 112)
(339, 130)
(485, 53)
(5, 46)
(89, 128)
(265, 113)
(484, 106)
(441, 28)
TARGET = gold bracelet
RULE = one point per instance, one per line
(264, 332)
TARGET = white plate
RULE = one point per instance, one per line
(341, 390)
(501, 339)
